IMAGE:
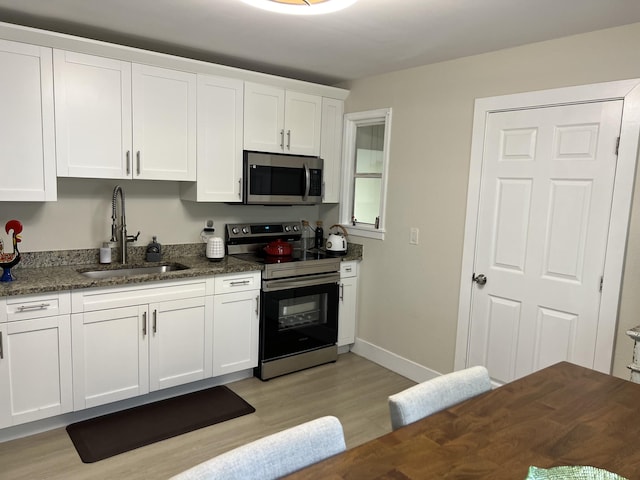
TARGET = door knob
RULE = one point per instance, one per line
(479, 279)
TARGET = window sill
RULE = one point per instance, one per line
(357, 231)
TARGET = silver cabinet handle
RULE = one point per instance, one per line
(1, 348)
(24, 308)
(240, 188)
(138, 162)
(347, 269)
(282, 139)
(144, 324)
(342, 292)
(128, 162)
(257, 305)
(239, 283)
(288, 139)
(155, 321)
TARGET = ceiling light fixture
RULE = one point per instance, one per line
(301, 7)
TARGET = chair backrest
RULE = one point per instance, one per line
(434, 395)
(276, 455)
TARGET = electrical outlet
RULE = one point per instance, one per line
(208, 224)
(413, 237)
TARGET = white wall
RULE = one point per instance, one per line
(81, 218)
(409, 293)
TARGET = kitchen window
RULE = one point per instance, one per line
(365, 169)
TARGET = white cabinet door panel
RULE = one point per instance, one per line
(35, 369)
(180, 346)
(27, 136)
(235, 331)
(110, 355)
(164, 123)
(331, 148)
(302, 114)
(93, 116)
(263, 118)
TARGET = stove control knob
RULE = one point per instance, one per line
(245, 230)
(235, 230)
(295, 228)
(287, 228)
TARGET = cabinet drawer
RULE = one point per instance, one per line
(237, 282)
(349, 269)
(37, 306)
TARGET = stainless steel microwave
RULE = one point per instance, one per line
(278, 179)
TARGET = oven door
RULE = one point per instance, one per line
(282, 179)
(298, 315)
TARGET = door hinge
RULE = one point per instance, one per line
(617, 145)
(601, 282)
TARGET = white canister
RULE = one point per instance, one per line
(105, 253)
(215, 248)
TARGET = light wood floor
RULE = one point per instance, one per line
(353, 389)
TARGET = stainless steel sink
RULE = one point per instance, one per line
(127, 271)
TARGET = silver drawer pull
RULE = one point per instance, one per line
(24, 308)
(1, 348)
(240, 282)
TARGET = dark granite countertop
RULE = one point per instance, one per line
(42, 272)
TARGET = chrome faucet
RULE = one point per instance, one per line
(119, 233)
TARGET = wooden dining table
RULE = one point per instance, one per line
(562, 415)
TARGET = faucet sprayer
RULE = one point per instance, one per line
(123, 237)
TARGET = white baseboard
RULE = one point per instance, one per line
(395, 363)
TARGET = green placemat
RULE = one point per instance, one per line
(571, 473)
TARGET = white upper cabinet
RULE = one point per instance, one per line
(93, 116)
(219, 150)
(331, 148)
(115, 119)
(164, 123)
(27, 138)
(281, 121)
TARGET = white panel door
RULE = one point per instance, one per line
(27, 136)
(93, 116)
(35, 369)
(164, 123)
(547, 185)
(302, 117)
(110, 355)
(235, 331)
(180, 345)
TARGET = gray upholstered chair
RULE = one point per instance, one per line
(434, 395)
(274, 456)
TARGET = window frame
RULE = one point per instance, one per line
(351, 123)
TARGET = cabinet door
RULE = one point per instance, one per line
(27, 138)
(302, 117)
(331, 148)
(220, 127)
(263, 118)
(235, 331)
(348, 307)
(164, 123)
(180, 345)
(93, 116)
(110, 355)
(35, 369)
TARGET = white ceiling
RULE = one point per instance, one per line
(370, 37)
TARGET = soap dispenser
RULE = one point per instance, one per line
(154, 251)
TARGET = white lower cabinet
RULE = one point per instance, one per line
(348, 307)
(35, 358)
(235, 328)
(121, 351)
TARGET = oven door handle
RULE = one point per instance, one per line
(288, 283)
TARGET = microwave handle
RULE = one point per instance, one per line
(307, 181)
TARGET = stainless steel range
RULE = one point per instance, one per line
(299, 298)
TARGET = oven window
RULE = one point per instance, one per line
(298, 319)
(302, 311)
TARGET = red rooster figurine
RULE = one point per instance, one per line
(8, 260)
